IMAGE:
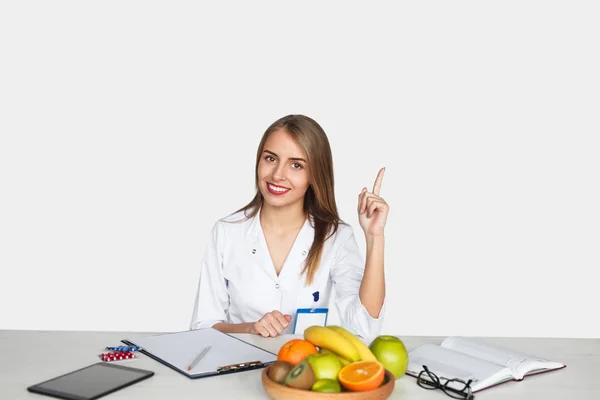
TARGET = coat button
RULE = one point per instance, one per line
(277, 286)
(253, 251)
(304, 253)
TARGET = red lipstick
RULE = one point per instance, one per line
(275, 191)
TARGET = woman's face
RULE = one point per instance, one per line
(283, 175)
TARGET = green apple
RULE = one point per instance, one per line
(325, 366)
(391, 352)
(327, 386)
(342, 359)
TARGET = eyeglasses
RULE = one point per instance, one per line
(428, 380)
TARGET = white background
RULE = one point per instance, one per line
(127, 128)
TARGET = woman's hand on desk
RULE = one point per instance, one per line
(271, 324)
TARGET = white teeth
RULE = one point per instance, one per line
(277, 189)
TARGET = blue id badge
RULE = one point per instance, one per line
(306, 317)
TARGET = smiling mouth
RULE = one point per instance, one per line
(278, 190)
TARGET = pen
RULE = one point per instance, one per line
(202, 354)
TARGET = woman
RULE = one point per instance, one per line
(287, 248)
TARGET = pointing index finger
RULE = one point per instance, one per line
(378, 180)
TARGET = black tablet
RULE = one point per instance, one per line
(91, 382)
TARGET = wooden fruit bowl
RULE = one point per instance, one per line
(277, 391)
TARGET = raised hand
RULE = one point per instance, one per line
(271, 324)
(372, 209)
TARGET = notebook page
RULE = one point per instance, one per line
(181, 348)
(519, 363)
(451, 364)
(535, 365)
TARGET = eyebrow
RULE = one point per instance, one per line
(291, 158)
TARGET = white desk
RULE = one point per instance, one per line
(29, 357)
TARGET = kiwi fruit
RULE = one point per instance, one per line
(280, 370)
(301, 376)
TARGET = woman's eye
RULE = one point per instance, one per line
(269, 158)
(297, 166)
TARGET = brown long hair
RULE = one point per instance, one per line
(319, 200)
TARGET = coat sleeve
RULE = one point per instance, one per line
(346, 273)
(212, 297)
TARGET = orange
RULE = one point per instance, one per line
(296, 350)
(362, 375)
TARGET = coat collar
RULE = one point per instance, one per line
(305, 237)
(298, 252)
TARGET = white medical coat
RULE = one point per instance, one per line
(238, 282)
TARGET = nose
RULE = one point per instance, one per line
(279, 173)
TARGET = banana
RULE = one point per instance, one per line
(363, 351)
(342, 359)
(325, 338)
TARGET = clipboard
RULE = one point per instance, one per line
(227, 355)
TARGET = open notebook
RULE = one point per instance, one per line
(227, 354)
(468, 358)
